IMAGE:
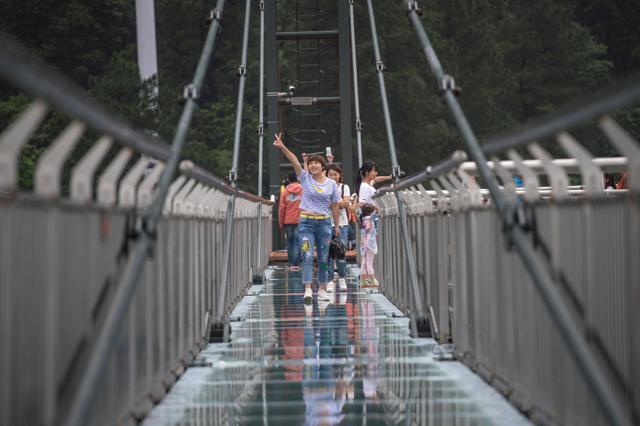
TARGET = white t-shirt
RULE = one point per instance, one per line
(366, 194)
(344, 219)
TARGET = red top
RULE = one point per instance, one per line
(289, 209)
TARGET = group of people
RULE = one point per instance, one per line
(316, 206)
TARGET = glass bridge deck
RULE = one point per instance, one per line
(350, 361)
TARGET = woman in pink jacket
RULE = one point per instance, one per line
(289, 217)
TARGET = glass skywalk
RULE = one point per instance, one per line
(348, 361)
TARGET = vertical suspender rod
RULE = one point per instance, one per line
(233, 174)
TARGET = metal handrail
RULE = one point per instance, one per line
(430, 172)
(34, 76)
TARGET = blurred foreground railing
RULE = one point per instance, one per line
(65, 247)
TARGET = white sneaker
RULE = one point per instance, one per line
(331, 287)
(308, 296)
(342, 284)
(323, 295)
(308, 310)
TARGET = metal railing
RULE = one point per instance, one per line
(66, 256)
(485, 304)
(539, 282)
(517, 223)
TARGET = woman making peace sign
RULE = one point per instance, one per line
(320, 199)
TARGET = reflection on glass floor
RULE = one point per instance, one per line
(342, 362)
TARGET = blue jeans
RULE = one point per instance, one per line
(318, 232)
(293, 243)
(342, 264)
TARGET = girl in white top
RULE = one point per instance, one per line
(368, 177)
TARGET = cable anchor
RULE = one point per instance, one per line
(214, 15)
(233, 178)
(448, 84)
(190, 92)
(412, 6)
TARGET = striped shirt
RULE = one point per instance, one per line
(318, 197)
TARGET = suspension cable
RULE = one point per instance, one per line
(380, 68)
(356, 96)
(260, 131)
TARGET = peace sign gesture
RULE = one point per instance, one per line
(277, 142)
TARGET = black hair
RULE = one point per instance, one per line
(335, 167)
(319, 158)
(292, 177)
(366, 167)
(366, 210)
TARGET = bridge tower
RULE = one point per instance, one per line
(309, 92)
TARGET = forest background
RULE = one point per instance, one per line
(514, 59)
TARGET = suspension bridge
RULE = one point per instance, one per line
(145, 294)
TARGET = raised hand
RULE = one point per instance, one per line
(277, 142)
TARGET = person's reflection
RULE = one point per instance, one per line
(369, 344)
(323, 398)
(292, 334)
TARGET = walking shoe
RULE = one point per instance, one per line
(331, 287)
(308, 296)
(294, 268)
(323, 295)
(342, 284)
(369, 283)
(308, 310)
